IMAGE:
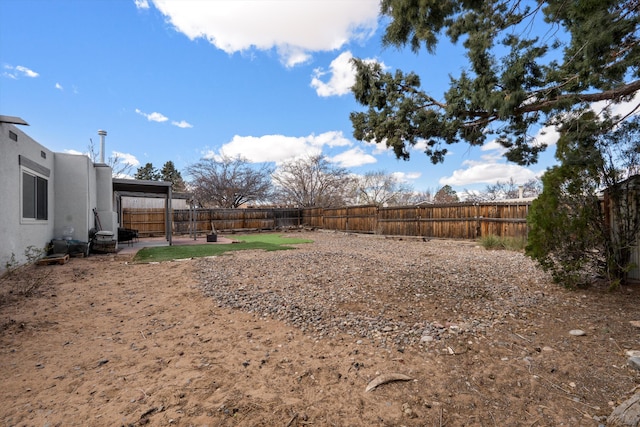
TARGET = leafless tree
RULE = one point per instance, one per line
(119, 168)
(381, 188)
(311, 181)
(506, 190)
(229, 182)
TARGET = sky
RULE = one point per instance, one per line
(183, 80)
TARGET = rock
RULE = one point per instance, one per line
(635, 323)
(634, 362)
(627, 414)
(577, 332)
(633, 353)
(407, 411)
(426, 338)
(384, 379)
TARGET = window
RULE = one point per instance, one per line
(13, 135)
(34, 196)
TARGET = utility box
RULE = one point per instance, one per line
(212, 237)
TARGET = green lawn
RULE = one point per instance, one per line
(267, 242)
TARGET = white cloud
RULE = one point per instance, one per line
(182, 124)
(330, 139)
(141, 4)
(493, 145)
(487, 172)
(156, 117)
(71, 151)
(19, 71)
(342, 77)
(59, 86)
(492, 166)
(279, 148)
(26, 72)
(621, 109)
(381, 148)
(294, 28)
(352, 158)
(161, 118)
(406, 177)
(126, 158)
(549, 135)
(153, 117)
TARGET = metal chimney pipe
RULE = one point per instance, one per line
(102, 134)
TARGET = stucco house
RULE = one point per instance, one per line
(46, 195)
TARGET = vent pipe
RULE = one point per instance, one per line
(102, 134)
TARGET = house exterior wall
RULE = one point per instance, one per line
(104, 198)
(75, 189)
(75, 186)
(17, 233)
(81, 187)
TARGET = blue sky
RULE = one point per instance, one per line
(181, 80)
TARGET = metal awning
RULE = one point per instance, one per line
(143, 188)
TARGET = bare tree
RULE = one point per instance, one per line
(381, 188)
(119, 168)
(506, 190)
(415, 197)
(311, 181)
(229, 182)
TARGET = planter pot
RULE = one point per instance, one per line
(212, 237)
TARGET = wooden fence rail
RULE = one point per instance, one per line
(455, 221)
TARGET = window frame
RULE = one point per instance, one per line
(41, 207)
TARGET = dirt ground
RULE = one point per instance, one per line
(101, 341)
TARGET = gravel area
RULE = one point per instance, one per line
(392, 291)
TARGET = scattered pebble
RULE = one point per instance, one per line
(350, 285)
(577, 332)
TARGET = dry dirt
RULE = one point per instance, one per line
(101, 341)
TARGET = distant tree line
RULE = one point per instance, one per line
(168, 173)
(313, 181)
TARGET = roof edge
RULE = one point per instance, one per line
(13, 120)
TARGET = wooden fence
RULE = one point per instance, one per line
(454, 221)
(150, 222)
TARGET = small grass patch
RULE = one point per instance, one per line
(267, 242)
(509, 243)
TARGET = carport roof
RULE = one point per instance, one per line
(141, 186)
